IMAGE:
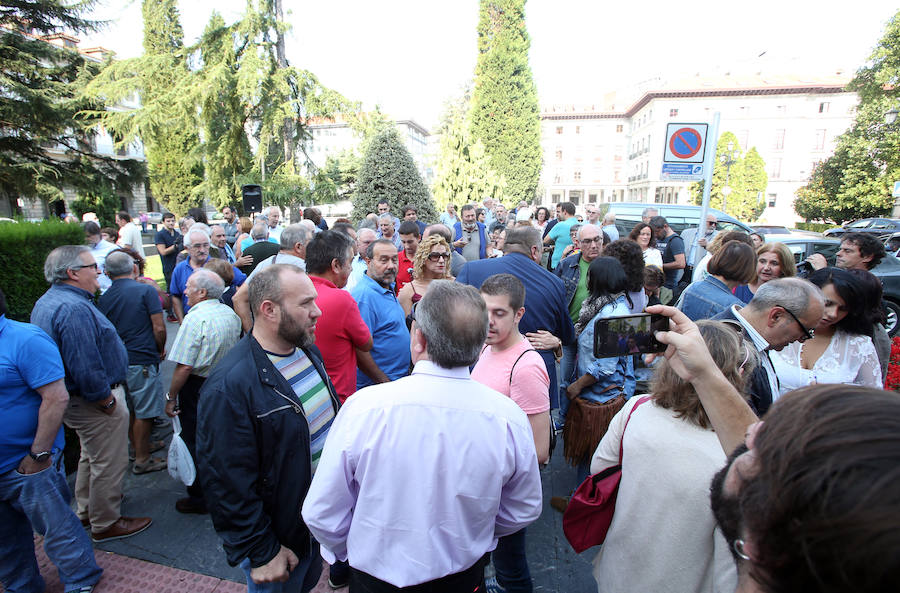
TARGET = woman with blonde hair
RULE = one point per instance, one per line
(431, 262)
(245, 225)
(670, 454)
(773, 260)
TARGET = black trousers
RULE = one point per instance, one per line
(188, 398)
(470, 580)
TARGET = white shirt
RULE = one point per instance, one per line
(849, 358)
(359, 268)
(130, 235)
(100, 251)
(275, 233)
(420, 476)
(652, 257)
(762, 345)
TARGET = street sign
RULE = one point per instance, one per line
(685, 152)
(896, 192)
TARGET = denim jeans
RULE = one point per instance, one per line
(510, 563)
(566, 372)
(303, 578)
(40, 502)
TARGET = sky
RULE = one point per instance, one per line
(411, 56)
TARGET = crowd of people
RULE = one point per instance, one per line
(383, 395)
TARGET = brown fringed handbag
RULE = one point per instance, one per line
(586, 423)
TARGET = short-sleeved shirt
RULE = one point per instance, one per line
(581, 292)
(527, 383)
(130, 234)
(385, 319)
(167, 239)
(560, 233)
(100, 251)
(674, 246)
(207, 333)
(339, 331)
(129, 305)
(404, 270)
(29, 359)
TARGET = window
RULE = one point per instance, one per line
(577, 129)
(557, 176)
(820, 140)
(558, 154)
(781, 109)
(576, 176)
(559, 129)
(575, 196)
(824, 106)
(771, 200)
(779, 140)
(743, 137)
(619, 128)
(775, 169)
(592, 198)
(673, 113)
(554, 198)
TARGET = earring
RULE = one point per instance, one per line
(738, 546)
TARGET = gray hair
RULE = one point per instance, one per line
(266, 285)
(209, 281)
(647, 211)
(293, 234)
(197, 227)
(359, 233)
(521, 239)
(370, 250)
(275, 208)
(386, 216)
(794, 294)
(61, 260)
(119, 263)
(577, 229)
(259, 231)
(454, 321)
(609, 218)
(582, 227)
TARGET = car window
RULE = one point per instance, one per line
(799, 251)
(726, 225)
(882, 224)
(860, 224)
(829, 250)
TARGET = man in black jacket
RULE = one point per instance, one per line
(264, 414)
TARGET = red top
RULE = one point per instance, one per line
(404, 270)
(339, 331)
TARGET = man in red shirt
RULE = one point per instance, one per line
(340, 331)
(410, 237)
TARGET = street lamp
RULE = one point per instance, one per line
(728, 160)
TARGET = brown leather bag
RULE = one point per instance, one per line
(586, 423)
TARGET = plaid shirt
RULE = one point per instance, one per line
(208, 331)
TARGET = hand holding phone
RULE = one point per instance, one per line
(629, 334)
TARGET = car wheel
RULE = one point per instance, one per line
(893, 315)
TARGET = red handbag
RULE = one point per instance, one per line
(590, 510)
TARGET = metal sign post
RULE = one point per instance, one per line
(710, 158)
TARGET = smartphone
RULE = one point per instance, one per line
(629, 334)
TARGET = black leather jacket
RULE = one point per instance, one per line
(253, 457)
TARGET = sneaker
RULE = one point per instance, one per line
(492, 586)
(339, 575)
(190, 506)
(124, 527)
(171, 318)
(560, 503)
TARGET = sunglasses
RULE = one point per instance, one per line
(436, 256)
(808, 334)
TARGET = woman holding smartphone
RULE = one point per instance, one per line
(598, 390)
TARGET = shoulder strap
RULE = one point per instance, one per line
(639, 402)
(517, 362)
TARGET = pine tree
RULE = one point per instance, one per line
(40, 106)
(389, 173)
(505, 111)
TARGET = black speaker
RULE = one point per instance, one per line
(252, 195)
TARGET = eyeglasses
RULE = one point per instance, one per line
(93, 265)
(200, 245)
(808, 334)
(590, 240)
(436, 256)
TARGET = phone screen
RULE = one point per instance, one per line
(630, 334)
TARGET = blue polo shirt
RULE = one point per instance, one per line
(560, 233)
(383, 314)
(29, 359)
(180, 277)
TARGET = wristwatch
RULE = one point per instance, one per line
(170, 399)
(40, 457)
(109, 404)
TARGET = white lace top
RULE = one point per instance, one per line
(849, 358)
(652, 257)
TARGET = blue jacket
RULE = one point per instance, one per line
(482, 234)
(569, 272)
(607, 371)
(706, 299)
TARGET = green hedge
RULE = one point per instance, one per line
(817, 227)
(23, 249)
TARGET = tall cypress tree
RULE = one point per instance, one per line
(505, 112)
(171, 147)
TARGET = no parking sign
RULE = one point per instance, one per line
(685, 152)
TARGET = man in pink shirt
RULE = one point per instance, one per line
(340, 331)
(510, 365)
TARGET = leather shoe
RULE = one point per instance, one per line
(190, 506)
(559, 503)
(124, 527)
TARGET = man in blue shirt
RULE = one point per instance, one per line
(34, 495)
(197, 242)
(381, 311)
(96, 364)
(546, 321)
(559, 234)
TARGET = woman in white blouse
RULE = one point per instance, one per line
(642, 234)
(841, 351)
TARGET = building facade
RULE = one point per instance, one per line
(594, 155)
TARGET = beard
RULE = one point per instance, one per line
(726, 507)
(291, 331)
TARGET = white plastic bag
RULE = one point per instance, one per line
(181, 465)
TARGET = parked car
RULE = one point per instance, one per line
(154, 218)
(679, 216)
(876, 226)
(888, 271)
(764, 229)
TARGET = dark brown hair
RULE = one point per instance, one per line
(637, 231)
(631, 256)
(736, 261)
(222, 268)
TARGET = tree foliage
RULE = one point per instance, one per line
(43, 149)
(746, 177)
(389, 173)
(856, 181)
(462, 172)
(505, 112)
